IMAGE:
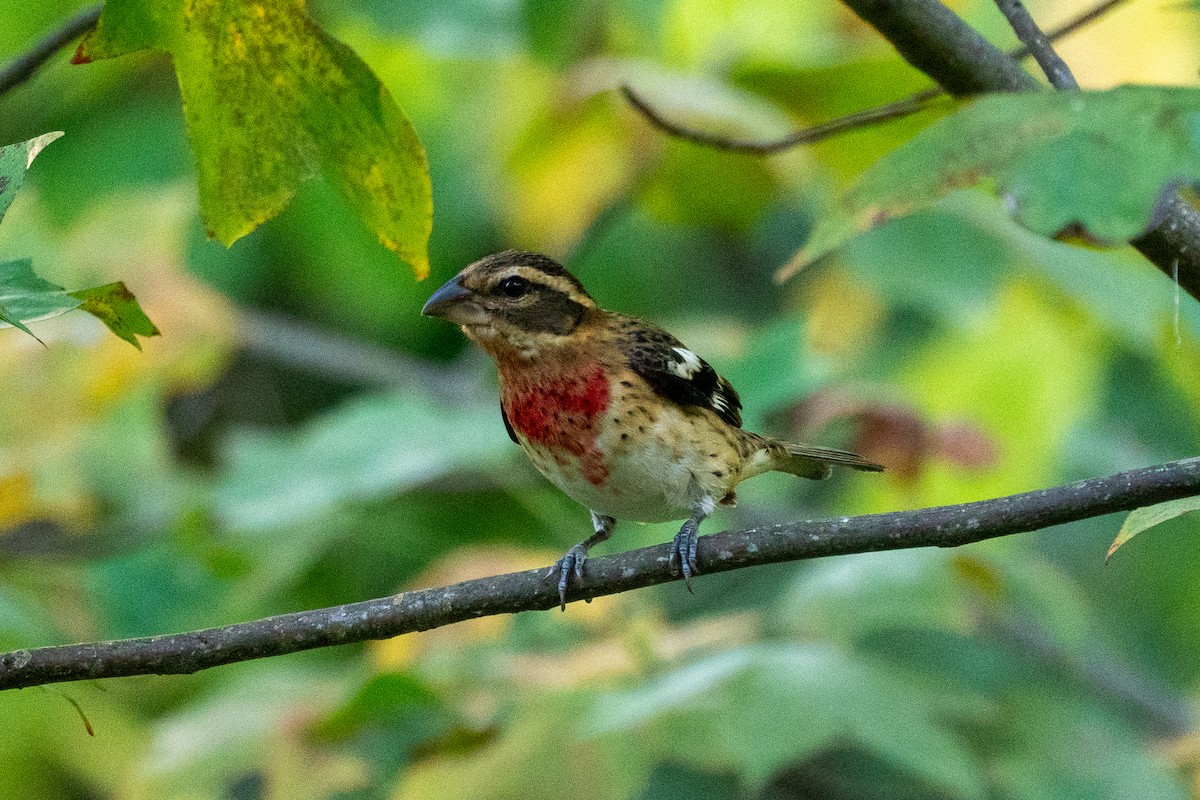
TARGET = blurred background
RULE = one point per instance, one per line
(301, 437)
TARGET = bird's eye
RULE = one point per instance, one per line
(513, 287)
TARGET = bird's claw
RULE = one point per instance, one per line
(572, 562)
(683, 554)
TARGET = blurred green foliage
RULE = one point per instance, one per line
(1060, 162)
(299, 436)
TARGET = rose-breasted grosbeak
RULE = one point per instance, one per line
(613, 410)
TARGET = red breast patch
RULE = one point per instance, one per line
(560, 414)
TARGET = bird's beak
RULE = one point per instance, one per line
(455, 302)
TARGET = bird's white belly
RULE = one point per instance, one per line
(650, 482)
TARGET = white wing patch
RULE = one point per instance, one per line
(717, 399)
(688, 366)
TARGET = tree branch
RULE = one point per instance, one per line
(934, 39)
(946, 526)
(1027, 30)
(21, 68)
(859, 119)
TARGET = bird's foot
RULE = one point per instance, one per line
(683, 552)
(570, 564)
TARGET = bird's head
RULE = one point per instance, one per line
(513, 303)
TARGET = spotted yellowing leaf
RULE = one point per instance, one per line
(271, 101)
(1092, 163)
(26, 297)
(115, 306)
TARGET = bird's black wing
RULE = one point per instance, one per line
(676, 373)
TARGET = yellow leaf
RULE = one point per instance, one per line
(271, 101)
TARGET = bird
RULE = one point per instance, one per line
(613, 410)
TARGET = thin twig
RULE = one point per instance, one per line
(816, 133)
(1072, 25)
(1027, 30)
(21, 68)
(859, 119)
(946, 526)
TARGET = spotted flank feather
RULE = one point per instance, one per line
(676, 373)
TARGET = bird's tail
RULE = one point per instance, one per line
(815, 462)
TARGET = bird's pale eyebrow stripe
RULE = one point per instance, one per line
(556, 283)
(688, 366)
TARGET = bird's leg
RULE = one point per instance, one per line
(683, 548)
(572, 562)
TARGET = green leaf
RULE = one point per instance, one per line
(115, 306)
(26, 297)
(559, 30)
(1141, 519)
(382, 699)
(270, 100)
(1096, 160)
(14, 163)
(743, 709)
(367, 449)
(843, 600)
(534, 757)
(1051, 744)
(926, 250)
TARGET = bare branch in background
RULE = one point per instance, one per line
(336, 356)
(21, 68)
(1027, 30)
(817, 133)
